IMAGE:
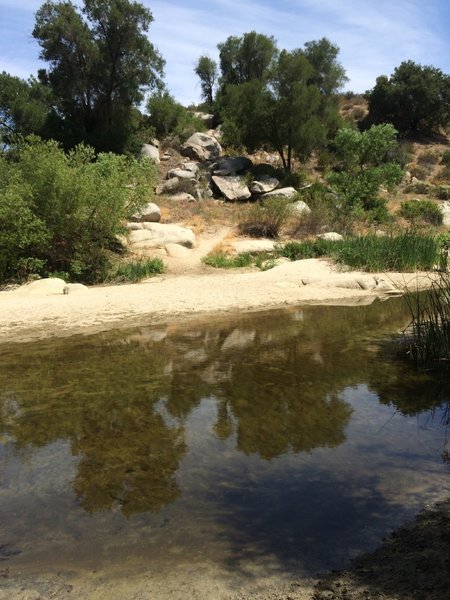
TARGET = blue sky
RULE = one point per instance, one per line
(374, 36)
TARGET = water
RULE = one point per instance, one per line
(291, 439)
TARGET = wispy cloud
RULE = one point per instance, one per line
(374, 36)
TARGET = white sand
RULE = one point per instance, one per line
(28, 313)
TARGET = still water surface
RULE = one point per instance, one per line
(290, 436)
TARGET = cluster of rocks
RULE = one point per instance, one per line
(206, 174)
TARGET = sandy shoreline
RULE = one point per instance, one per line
(35, 312)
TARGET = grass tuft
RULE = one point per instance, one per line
(134, 271)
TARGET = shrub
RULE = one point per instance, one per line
(426, 211)
(307, 249)
(407, 252)
(428, 158)
(264, 218)
(221, 260)
(442, 192)
(420, 187)
(134, 271)
(445, 160)
(444, 174)
(73, 206)
(419, 172)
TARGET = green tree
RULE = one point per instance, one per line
(245, 58)
(329, 74)
(100, 64)
(414, 98)
(167, 116)
(206, 70)
(286, 112)
(24, 107)
(364, 161)
(63, 211)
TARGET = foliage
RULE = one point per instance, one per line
(362, 156)
(406, 252)
(100, 64)
(168, 117)
(445, 160)
(24, 107)
(244, 59)
(206, 70)
(426, 340)
(414, 98)
(264, 218)
(221, 260)
(62, 212)
(328, 75)
(135, 271)
(422, 210)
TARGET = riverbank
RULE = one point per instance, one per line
(42, 309)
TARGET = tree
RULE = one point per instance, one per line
(101, 63)
(329, 75)
(365, 166)
(206, 70)
(286, 112)
(245, 58)
(414, 98)
(24, 107)
(166, 116)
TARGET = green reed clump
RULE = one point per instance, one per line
(307, 249)
(220, 260)
(134, 271)
(427, 338)
(407, 252)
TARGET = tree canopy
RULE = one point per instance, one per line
(100, 64)
(206, 70)
(414, 98)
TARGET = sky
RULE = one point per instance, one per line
(374, 36)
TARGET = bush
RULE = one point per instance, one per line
(426, 211)
(265, 218)
(221, 260)
(420, 187)
(445, 160)
(72, 207)
(428, 158)
(135, 271)
(307, 249)
(442, 192)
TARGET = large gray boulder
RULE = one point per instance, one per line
(445, 209)
(201, 146)
(331, 236)
(150, 213)
(181, 174)
(286, 192)
(299, 208)
(231, 165)
(150, 152)
(158, 235)
(232, 187)
(167, 186)
(264, 184)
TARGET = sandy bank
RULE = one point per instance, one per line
(28, 313)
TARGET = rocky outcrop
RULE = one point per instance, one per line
(167, 186)
(264, 185)
(231, 165)
(287, 192)
(157, 235)
(232, 187)
(202, 147)
(151, 152)
(181, 174)
(151, 213)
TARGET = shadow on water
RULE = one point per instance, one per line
(248, 434)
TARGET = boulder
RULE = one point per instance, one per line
(158, 235)
(299, 208)
(445, 209)
(232, 187)
(201, 146)
(183, 197)
(253, 246)
(231, 165)
(48, 286)
(331, 236)
(151, 212)
(191, 166)
(176, 250)
(151, 152)
(180, 174)
(264, 185)
(286, 192)
(168, 186)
